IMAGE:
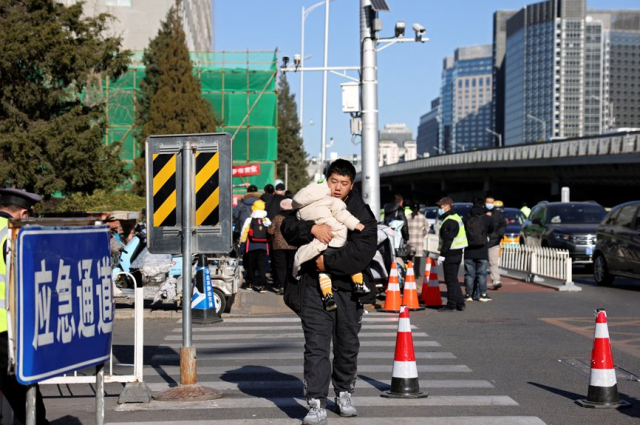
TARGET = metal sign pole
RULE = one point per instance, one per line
(31, 406)
(100, 394)
(187, 352)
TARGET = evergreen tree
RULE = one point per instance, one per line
(290, 147)
(52, 111)
(172, 92)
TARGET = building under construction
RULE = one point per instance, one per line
(241, 86)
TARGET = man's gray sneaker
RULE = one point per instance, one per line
(317, 415)
(343, 405)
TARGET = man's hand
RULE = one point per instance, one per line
(322, 232)
(320, 263)
(360, 227)
(440, 260)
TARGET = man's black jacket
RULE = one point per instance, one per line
(395, 211)
(498, 226)
(352, 258)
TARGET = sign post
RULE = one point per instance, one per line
(190, 213)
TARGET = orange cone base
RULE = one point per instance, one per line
(404, 388)
(603, 398)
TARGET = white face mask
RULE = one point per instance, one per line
(489, 206)
(441, 211)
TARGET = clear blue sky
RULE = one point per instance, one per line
(408, 74)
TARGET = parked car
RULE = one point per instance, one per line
(566, 225)
(431, 213)
(617, 251)
(515, 219)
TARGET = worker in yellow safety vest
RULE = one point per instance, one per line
(14, 204)
(453, 241)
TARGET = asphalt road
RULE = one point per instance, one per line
(522, 358)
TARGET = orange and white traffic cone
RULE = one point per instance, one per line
(404, 378)
(410, 294)
(431, 294)
(392, 301)
(425, 281)
(603, 388)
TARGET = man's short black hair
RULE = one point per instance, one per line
(280, 186)
(342, 167)
(252, 188)
(269, 189)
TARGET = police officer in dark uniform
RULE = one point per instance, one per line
(14, 204)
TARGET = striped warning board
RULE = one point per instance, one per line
(164, 190)
(207, 189)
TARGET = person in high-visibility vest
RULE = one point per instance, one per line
(453, 241)
(525, 210)
(14, 204)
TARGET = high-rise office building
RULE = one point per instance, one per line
(396, 144)
(138, 21)
(467, 99)
(567, 68)
(500, 19)
(428, 131)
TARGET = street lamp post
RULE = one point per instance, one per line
(498, 135)
(544, 125)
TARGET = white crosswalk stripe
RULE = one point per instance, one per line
(259, 368)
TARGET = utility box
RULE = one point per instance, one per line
(350, 97)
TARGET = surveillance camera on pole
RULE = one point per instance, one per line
(296, 61)
(285, 61)
(419, 30)
(400, 27)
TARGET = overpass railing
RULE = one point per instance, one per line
(602, 145)
(546, 266)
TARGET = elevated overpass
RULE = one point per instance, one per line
(603, 168)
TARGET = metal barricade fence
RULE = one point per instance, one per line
(546, 266)
(138, 350)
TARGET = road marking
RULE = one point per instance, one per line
(361, 384)
(239, 346)
(288, 355)
(261, 402)
(220, 370)
(422, 420)
(214, 329)
(283, 336)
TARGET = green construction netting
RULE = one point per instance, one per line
(241, 87)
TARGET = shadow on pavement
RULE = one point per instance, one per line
(245, 375)
(67, 420)
(633, 411)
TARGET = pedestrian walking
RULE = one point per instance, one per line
(254, 237)
(340, 326)
(283, 254)
(476, 255)
(418, 228)
(14, 204)
(453, 241)
(315, 203)
(498, 229)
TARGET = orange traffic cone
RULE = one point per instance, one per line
(431, 295)
(410, 294)
(404, 378)
(603, 388)
(392, 301)
(425, 281)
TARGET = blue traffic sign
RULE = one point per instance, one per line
(65, 306)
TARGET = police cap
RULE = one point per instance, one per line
(19, 197)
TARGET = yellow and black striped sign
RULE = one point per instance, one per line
(207, 189)
(164, 190)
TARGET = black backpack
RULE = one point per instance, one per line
(476, 231)
(257, 231)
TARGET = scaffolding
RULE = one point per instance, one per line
(241, 87)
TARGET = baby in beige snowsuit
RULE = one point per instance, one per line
(315, 203)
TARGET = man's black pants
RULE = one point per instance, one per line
(15, 392)
(282, 262)
(321, 327)
(451, 267)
